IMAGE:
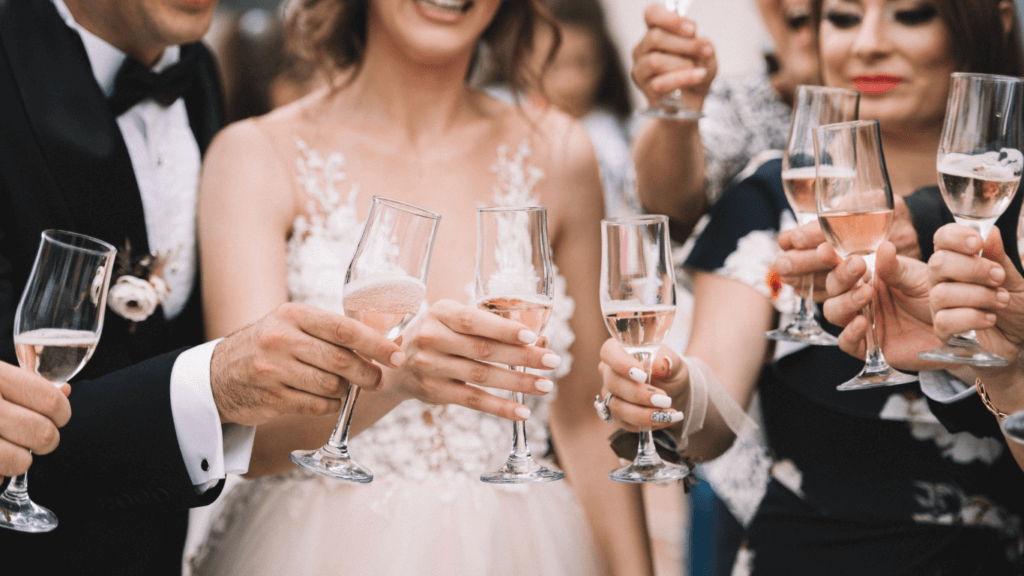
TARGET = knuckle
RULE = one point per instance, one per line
(483, 347)
(474, 402)
(319, 407)
(465, 320)
(479, 374)
(50, 400)
(271, 338)
(428, 338)
(346, 332)
(263, 367)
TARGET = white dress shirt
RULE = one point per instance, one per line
(166, 160)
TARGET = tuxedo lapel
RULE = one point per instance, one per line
(79, 138)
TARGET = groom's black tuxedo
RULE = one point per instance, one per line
(117, 482)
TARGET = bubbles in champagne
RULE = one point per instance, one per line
(53, 353)
(384, 304)
(979, 187)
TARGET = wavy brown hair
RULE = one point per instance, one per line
(333, 34)
(975, 32)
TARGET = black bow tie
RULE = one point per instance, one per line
(134, 83)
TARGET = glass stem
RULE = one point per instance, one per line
(805, 312)
(17, 489)
(874, 359)
(339, 438)
(646, 454)
(520, 450)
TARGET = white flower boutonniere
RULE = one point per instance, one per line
(139, 286)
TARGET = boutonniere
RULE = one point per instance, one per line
(139, 286)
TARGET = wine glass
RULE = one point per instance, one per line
(638, 300)
(855, 209)
(514, 281)
(815, 106)
(384, 289)
(671, 106)
(979, 164)
(56, 329)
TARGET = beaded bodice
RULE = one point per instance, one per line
(415, 441)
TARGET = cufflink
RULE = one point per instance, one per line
(205, 465)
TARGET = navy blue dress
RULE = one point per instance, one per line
(863, 482)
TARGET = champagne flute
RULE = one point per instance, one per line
(671, 106)
(384, 289)
(514, 281)
(638, 300)
(979, 164)
(855, 209)
(815, 106)
(56, 329)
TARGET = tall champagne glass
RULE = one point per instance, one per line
(855, 209)
(56, 329)
(384, 289)
(671, 106)
(979, 164)
(815, 106)
(513, 280)
(638, 300)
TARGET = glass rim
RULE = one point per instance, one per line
(848, 124)
(827, 89)
(407, 207)
(101, 248)
(627, 220)
(982, 76)
(512, 209)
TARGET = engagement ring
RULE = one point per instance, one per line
(602, 407)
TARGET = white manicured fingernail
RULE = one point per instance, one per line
(638, 375)
(676, 417)
(522, 412)
(661, 401)
(551, 360)
(527, 337)
(397, 359)
(545, 385)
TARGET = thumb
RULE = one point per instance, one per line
(995, 251)
(896, 272)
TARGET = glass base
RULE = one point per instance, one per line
(333, 463)
(1013, 426)
(527, 471)
(886, 376)
(658, 472)
(24, 515)
(810, 333)
(960, 350)
(669, 112)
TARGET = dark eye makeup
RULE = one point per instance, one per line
(842, 19)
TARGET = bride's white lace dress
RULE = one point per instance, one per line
(426, 511)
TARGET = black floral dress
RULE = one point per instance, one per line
(862, 482)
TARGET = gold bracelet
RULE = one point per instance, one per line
(988, 401)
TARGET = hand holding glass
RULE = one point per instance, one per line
(56, 330)
(384, 289)
(671, 106)
(855, 209)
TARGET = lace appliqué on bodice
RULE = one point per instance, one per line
(415, 441)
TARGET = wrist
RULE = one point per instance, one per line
(1000, 398)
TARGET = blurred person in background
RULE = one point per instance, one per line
(852, 482)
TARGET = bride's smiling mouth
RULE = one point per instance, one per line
(449, 6)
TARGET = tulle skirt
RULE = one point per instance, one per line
(301, 525)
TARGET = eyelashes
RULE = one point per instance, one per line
(842, 20)
(913, 17)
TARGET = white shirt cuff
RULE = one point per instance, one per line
(943, 387)
(211, 450)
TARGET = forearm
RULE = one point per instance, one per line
(614, 511)
(670, 167)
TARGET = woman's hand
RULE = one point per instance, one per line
(672, 57)
(970, 292)
(635, 403)
(903, 318)
(806, 253)
(452, 346)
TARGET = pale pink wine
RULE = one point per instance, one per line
(799, 185)
(531, 312)
(856, 232)
(55, 354)
(386, 305)
(977, 194)
(642, 328)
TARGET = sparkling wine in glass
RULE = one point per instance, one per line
(671, 106)
(979, 164)
(384, 289)
(514, 281)
(855, 209)
(56, 329)
(815, 106)
(638, 300)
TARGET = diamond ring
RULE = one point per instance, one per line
(602, 407)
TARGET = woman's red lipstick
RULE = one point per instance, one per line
(876, 83)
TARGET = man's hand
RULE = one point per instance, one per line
(672, 57)
(31, 411)
(903, 318)
(296, 360)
